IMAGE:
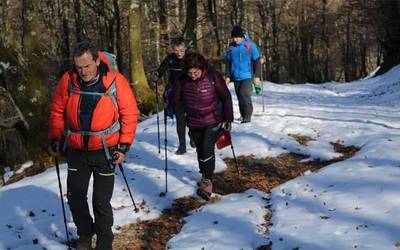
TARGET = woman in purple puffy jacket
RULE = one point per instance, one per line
(208, 106)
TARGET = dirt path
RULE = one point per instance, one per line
(263, 174)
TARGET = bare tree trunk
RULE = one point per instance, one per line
(34, 58)
(326, 42)
(275, 44)
(157, 41)
(212, 13)
(347, 66)
(64, 34)
(6, 35)
(191, 23)
(118, 30)
(363, 56)
(30, 35)
(137, 74)
(199, 37)
(237, 14)
(181, 11)
(264, 15)
(78, 21)
(163, 41)
(389, 11)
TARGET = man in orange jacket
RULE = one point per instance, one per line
(93, 118)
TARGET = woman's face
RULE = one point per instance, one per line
(194, 73)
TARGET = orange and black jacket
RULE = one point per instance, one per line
(68, 112)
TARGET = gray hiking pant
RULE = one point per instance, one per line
(244, 89)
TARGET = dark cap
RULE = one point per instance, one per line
(237, 31)
(177, 41)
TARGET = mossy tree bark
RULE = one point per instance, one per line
(144, 95)
(137, 74)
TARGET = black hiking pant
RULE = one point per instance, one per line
(205, 138)
(81, 166)
(244, 89)
(181, 126)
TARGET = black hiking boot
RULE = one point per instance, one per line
(191, 142)
(84, 243)
(204, 195)
(246, 120)
(180, 151)
(205, 190)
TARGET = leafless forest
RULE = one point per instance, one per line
(302, 41)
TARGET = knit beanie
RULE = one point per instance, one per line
(237, 31)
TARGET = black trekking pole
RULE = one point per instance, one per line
(127, 185)
(62, 201)
(158, 119)
(166, 154)
(234, 157)
(262, 87)
(115, 157)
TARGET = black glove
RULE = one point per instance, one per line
(154, 76)
(153, 79)
(124, 147)
(54, 148)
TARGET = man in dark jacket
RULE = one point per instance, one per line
(173, 64)
(242, 64)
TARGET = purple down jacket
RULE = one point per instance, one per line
(206, 100)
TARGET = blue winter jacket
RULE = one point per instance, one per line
(242, 60)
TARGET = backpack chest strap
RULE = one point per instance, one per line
(111, 92)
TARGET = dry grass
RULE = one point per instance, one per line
(301, 139)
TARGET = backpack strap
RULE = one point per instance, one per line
(110, 59)
(248, 46)
(111, 92)
(210, 76)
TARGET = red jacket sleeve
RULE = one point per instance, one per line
(59, 101)
(128, 110)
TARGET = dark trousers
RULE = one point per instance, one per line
(205, 138)
(181, 126)
(81, 166)
(243, 91)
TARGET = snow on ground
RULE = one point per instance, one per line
(351, 204)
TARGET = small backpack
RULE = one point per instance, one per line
(109, 59)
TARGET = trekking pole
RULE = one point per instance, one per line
(158, 119)
(234, 157)
(115, 157)
(262, 87)
(62, 201)
(166, 154)
(127, 185)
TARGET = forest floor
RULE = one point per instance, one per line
(262, 174)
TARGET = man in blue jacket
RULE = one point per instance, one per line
(242, 62)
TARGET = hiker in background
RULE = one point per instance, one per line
(94, 117)
(208, 106)
(242, 62)
(173, 63)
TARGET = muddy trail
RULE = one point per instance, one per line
(263, 174)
